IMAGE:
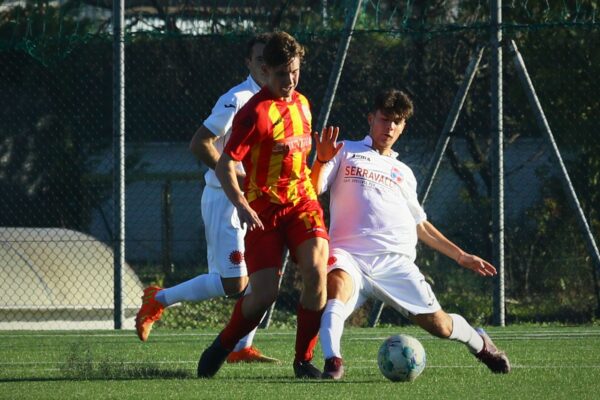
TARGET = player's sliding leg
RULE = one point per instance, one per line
(402, 286)
(455, 327)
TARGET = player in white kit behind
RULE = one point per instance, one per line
(227, 274)
(375, 222)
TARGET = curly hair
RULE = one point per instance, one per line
(281, 49)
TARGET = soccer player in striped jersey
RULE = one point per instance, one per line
(272, 139)
(375, 223)
(227, 274)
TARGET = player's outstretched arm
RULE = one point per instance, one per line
(433, 238)
(326, 148)
(226, 173)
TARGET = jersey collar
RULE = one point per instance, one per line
(255, 87)
(368, 141)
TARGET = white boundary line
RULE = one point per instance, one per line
(504, 334)
(362, 364)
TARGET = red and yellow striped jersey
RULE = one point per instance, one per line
(272, 139)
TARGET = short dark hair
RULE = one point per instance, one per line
(281, 49)
(261, 38)
(393, 102)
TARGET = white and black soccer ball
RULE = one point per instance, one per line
(401, 358)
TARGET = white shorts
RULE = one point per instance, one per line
(392, 278)
(224, 234)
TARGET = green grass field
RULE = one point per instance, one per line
(549, 362)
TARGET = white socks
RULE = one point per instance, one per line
(200, 288)
(464, 333)
(332, 327)
(246, 341)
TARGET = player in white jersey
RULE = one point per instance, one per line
(375, 222)
(227, 274)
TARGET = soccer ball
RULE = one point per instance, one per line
(401, 358)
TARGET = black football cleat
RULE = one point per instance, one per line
(212, 359)
(495, 359)
(306, 370)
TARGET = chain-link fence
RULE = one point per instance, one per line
(56, 157)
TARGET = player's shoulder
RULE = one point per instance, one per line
(260, 101)
(253, 103)
(253, 110)
(301, 98)
(237, 96)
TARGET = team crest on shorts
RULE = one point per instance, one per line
(332, 260)
(236, 257)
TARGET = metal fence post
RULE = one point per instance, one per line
(118, 157)
(497, 159)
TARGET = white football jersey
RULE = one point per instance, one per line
(220, 119)
(374, 207)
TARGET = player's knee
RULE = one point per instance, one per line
(442, 327)
(234, 287)
(314, 279)
(339, 285)
(444, 331)
(438, 324)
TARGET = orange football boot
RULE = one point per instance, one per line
(149, 313)
(249, 355)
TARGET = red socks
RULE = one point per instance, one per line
(237, 328)
(307, 332)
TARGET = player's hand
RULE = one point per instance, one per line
(476, 264)
(326, 143)
(250, 218)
